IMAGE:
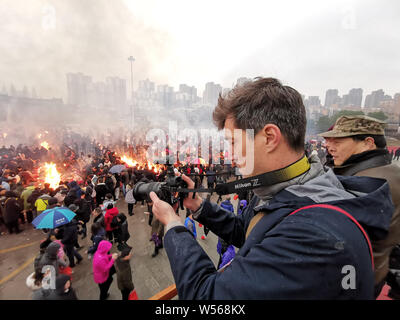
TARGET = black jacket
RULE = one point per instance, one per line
(70, 235)
(85, 209)
(12, 209)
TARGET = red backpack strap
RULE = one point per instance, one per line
(348, 215)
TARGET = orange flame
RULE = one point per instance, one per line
(129, 161)
(45, 145)
(53, 177)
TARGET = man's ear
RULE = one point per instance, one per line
(370, 142)
(272, 136)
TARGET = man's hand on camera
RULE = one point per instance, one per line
(162, 210)
(189, 202)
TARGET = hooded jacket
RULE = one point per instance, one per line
(102, 262)
(50, 257)
(302, 256)
(110, 214)
(58, 293)
(227, 205)
(25, 195)
(242, 206)
(377, 164)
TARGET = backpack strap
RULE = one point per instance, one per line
(348, 215)
(253, 222)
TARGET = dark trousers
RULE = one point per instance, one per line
(22, 217)
(13, 225)
(29, 216)
(71, 254)
(125, 294)
(106, 285)
(110, 235)
(84, 229)
(114, 235)
(130, 208)
(150, 218)
(210, 185)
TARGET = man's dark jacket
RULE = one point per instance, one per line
(377, 164)
(304, 256)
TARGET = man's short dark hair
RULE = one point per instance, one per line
(264, 100)
(380, 140)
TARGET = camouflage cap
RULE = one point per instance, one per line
(347, 126)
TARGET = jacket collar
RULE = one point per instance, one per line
(362, 161)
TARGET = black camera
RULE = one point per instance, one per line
(167, 191)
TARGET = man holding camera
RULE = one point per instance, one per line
(302, 235)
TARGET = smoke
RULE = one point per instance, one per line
(42, 41)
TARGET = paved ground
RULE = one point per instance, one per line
(150, 275)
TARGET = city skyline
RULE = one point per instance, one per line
(311, 46)
(5, 87)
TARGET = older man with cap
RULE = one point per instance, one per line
(358, 147)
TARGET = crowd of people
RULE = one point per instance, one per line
(333, 184)
(93, 199)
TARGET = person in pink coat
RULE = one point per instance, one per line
(103, 267)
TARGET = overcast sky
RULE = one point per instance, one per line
(310, 45)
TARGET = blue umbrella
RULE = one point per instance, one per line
(117, 168)
(53, 218)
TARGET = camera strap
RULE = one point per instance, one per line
(266, 179)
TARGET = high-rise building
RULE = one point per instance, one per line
(374, 99)
(82, 91)
(211, 93)
(77, 88)
(116, 93)
(186, 96)
(146, 89)
(355, 97)
(190, 91)
(331, 97)
(165, 96)
(314, 101)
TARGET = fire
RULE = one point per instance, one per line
(129, 161)
(53, 177)
(45, 145)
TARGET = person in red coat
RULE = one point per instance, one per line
(108, 218)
